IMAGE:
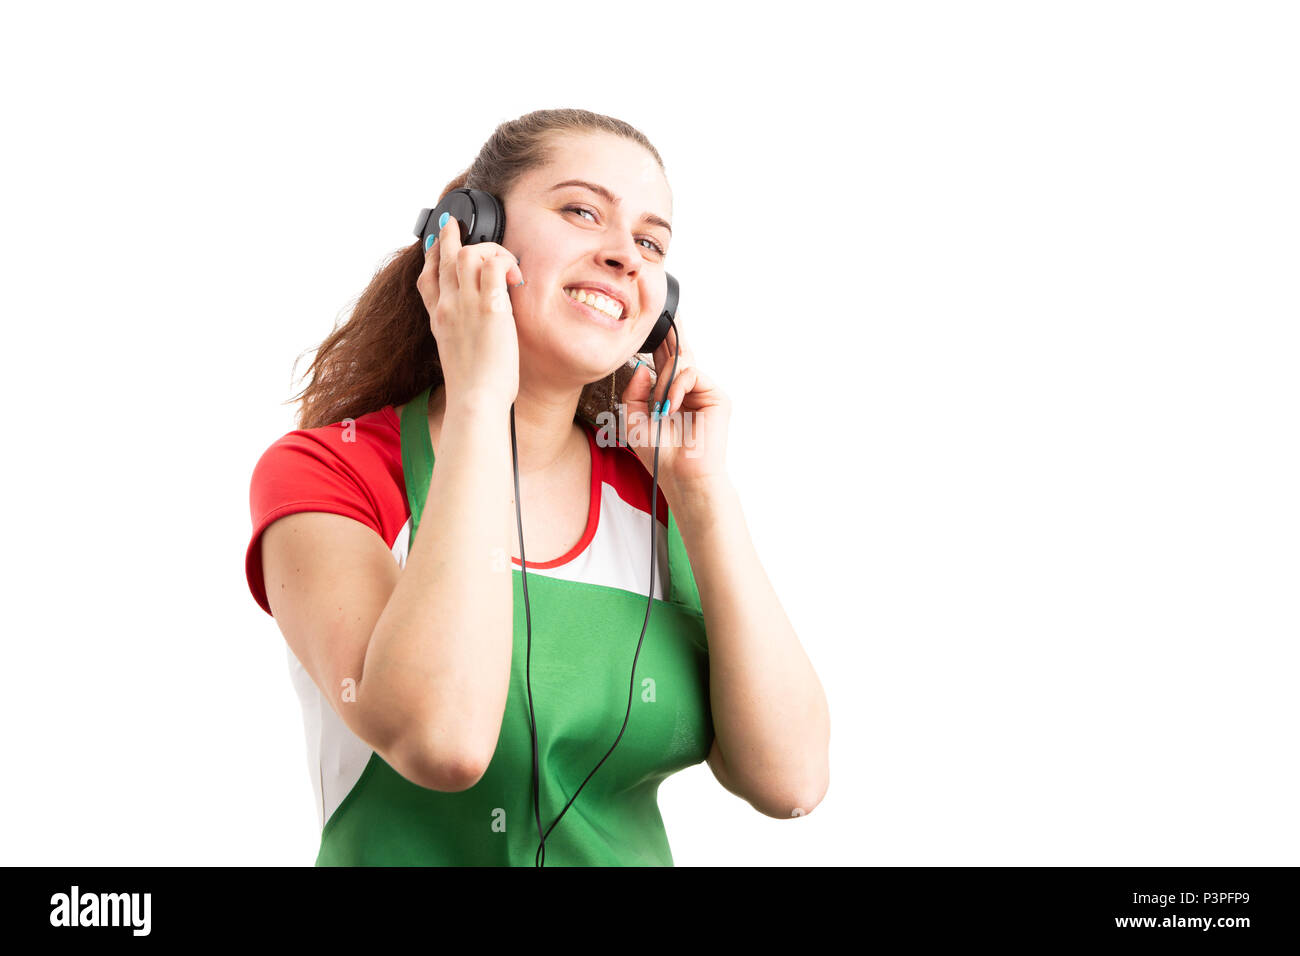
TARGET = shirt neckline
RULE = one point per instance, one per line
(593, 502)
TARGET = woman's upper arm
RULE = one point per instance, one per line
(328, 579)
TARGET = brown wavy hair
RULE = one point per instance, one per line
(385, 352)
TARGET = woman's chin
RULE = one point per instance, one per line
(570, 362)
(584, 349)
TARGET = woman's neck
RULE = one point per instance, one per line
(546, 435)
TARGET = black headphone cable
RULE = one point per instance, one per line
(540, 857)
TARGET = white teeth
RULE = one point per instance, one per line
(609, 306)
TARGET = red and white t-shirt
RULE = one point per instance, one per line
(355, 470)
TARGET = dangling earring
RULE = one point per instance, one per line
(613, 395)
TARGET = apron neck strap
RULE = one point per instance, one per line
(417, 455)
(681, 581)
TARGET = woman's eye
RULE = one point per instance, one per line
(652, 244)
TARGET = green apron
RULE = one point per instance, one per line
(584, 637)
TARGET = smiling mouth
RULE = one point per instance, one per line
(595, 315)
(595, 300)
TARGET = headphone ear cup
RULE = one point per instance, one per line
(666, 317)
(481, 216)
(489, 217)
(657, 334)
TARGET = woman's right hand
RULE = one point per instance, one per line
(464, 289)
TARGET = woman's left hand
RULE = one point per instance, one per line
(693, 437)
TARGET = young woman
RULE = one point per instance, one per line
(436, 677)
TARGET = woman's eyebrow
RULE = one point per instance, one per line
(608, 196)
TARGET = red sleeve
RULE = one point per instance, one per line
(353, 471)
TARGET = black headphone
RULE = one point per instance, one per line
(482, 218)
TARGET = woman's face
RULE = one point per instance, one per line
(573, 237)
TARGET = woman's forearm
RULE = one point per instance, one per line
(440, 652)
(770, 714)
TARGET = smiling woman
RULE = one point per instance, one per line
(384, 354)
(416, 643)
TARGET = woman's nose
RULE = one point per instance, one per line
(625, 256)
(622, 264)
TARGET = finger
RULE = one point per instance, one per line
(683, 365)
(513, 275)
(636, 403)
(682, 386)
(672, 373)
(490, 250)
(448, 246)
(637, 391)
(664, 353)
(705, 384)
(428, 281)
(492, 288)
(664, 356)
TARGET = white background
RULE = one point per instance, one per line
(1005, 295)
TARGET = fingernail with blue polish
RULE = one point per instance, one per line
(442, 220)
(654, 415)
(430, 241)
(637, 365)
(666, 405)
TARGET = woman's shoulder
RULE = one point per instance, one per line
(351, 468)
(362, 453)
(622, 470)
